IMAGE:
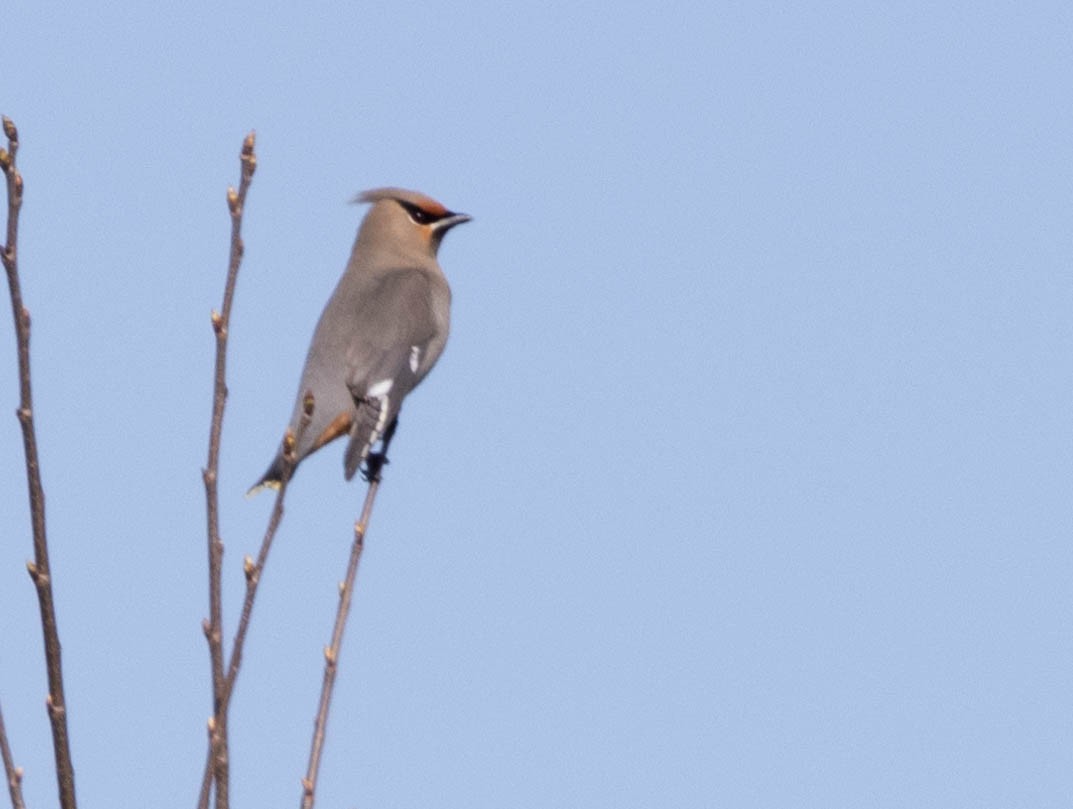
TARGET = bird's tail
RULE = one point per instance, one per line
(270, 479)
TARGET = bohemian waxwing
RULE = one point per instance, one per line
(380, 333)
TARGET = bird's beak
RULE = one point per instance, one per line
(451, 220)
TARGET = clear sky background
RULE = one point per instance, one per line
(744, 480)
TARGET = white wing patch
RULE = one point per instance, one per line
(381, 422)
(379, 390)
(415, 358)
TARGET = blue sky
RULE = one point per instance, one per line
(744, 479)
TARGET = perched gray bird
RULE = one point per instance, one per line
(380, 333)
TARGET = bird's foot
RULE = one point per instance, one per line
(374, 462)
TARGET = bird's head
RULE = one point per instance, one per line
(404, 221)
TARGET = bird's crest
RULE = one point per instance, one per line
(415, 198)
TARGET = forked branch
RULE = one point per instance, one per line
(236, 201)
(253, 570)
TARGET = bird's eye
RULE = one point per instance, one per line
(420, 217)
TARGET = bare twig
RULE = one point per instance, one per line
(13, 773)
(253, 571)
(39, 568)
(331, 653)
(213, 626)
(206, 779)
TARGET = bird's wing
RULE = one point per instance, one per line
(401, 335)
(396, 312)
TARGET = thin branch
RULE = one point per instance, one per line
(206, 779)
(253, 571)
(14, 774)
(213, 626)
(39, 569)
(331, 653)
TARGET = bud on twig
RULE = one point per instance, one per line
(249, 159)
(53, 707)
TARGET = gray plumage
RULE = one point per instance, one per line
(381, 331)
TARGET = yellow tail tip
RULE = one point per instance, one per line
(264, 484)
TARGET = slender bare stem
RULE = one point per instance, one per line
(206, 780)
(13, 773)
(39, 569)
(331, 653)
(213, 626)
(253, 571)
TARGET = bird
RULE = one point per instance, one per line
(380, 333)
